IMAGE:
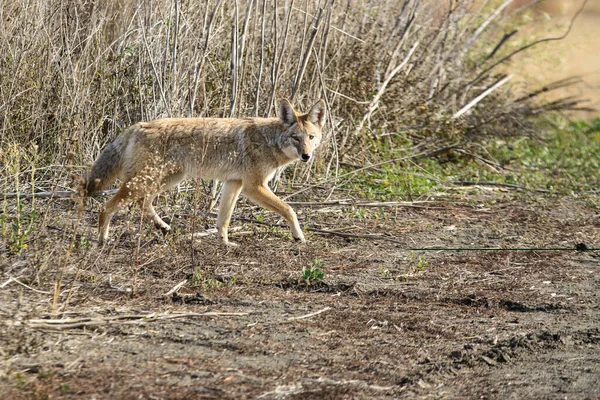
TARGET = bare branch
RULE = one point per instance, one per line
(483, 95)
(521, 49)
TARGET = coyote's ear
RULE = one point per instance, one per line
(286, 112)
(316, 115)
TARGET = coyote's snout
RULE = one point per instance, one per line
(244, 154)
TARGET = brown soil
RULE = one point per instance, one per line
(385, 322)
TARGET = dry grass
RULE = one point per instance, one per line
(76, 73)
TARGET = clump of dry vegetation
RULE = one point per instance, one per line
(419, 78)
(76, 73)
(423, 78)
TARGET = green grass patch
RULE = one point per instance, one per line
(566, 160)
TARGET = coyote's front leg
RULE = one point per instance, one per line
(229, 195)
(263, 196)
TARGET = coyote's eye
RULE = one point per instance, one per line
(296, 138)
(311, 137)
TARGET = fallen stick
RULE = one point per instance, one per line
(24, 285)
(308, 315)
(355, 235)
(54, 194)
(384, 204)
(500, 184)
(176, 288)
(70, 323)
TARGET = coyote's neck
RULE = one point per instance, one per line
(274, 133)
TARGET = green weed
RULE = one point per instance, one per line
(384, 272)
(313, 273)
(416, 264)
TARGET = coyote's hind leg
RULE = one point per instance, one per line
(149, 211)
(110, 208)
(169, 182)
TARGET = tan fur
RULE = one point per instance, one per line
(154, 156)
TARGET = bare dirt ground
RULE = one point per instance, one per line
(385, 322)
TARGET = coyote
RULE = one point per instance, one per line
(244, 154)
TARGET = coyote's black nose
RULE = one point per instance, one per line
(305, 157)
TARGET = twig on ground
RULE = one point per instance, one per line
(292, 319)
(6, 283)
(355, 235)
(117, 288)
(54, 194)
(356, 382)
(71, 323)
(290, 390)
(206, 232)
(506, 185)
(211, 231)
(493, 165)
(384, 204)
(308, 315)
(436, 152)
(176, 288)
(24, 285)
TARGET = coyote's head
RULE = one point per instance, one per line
(303, 133)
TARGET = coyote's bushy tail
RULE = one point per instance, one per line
(107, 167)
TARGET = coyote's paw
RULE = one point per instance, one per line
(300, 239)
(162, 225)
(230, 244)
(164, 228)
